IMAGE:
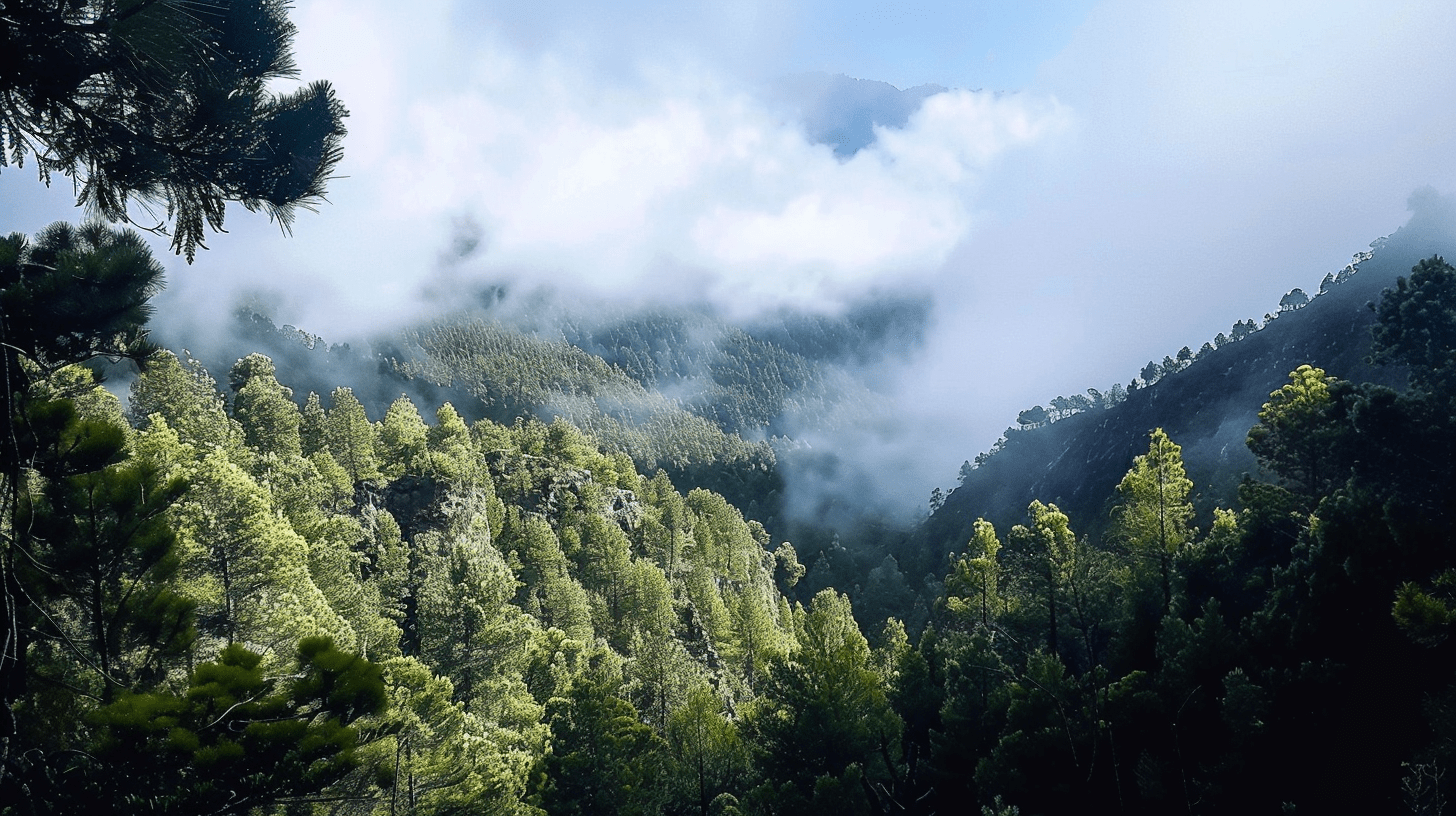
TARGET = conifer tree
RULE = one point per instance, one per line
(709, 759)
(660, 676)
(1297, 433)
(186, 396)
(825, 709)
(972, 589)
(239, 739)
(603, 758)
(1051, 548)
(350, 437)
(265, 408)
(403, 439)
(99, 559)
(756, 641)
(1154, 519)
(1417, 325)
(452, 454)
(313, 426)
(468, 630)
(248, 568)
(168, 105)
(549, 591)
(71, 296)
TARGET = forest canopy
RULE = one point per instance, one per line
(227, 597)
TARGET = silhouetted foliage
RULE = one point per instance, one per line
(166, 105)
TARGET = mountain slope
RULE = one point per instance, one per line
(715, 404)
(1207, 408)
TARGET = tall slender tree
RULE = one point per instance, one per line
(1154, 520)
(1049, 545)
(71, 296)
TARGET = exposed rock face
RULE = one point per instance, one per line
(414, 501)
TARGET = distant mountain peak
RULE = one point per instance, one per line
(842, 112)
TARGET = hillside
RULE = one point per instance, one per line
(713, 403)
(516, 618)
(1207, 408)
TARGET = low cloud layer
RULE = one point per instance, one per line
(1149, 174)
(675, 181)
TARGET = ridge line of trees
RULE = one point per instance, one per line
(1063, 407)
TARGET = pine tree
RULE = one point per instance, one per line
(100, 556)
(1154, 518)
(825, 708)
(313, 426)
(265, 408)
(972, 589)
(1298, 433)
(603, 758)
(452, 454)
(403, 439)
(167, 105)
(186, 396)
(248, 568)
(350, 437)
(1050, 547)
(708, 757)
(71, 296)
(236, 741)
(467, 627)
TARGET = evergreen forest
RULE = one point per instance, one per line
(491, 566)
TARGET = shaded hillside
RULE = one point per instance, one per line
(781, 374)
(1207, 408)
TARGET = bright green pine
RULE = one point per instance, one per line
(1051, 546)
(1154, 521)
(351, 438)
(973, 587)
(187, 397)
(265, 408)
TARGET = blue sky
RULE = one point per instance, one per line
(1135, 176)
(990, 45)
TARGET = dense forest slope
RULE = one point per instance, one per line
(271, 585)
(228, 596)
(713, 403)
(1207, 407)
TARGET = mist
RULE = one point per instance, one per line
(1069, 191)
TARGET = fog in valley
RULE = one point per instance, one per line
(1067, 193)
(738, 409)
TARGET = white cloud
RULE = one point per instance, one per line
(897, 207)
(709, 180)
(1202, 160)
(1222, 155)
(672, 176)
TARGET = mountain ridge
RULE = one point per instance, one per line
(1208, 407)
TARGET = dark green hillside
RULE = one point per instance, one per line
(446, 617)
(771, 376)
(1208, 408)
(719, 372)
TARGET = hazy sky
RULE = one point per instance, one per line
(1144, 174)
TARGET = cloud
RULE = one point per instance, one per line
(672, 180)
(1171, 169)
(843, 112)
(700, 177)
(1221, 156)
